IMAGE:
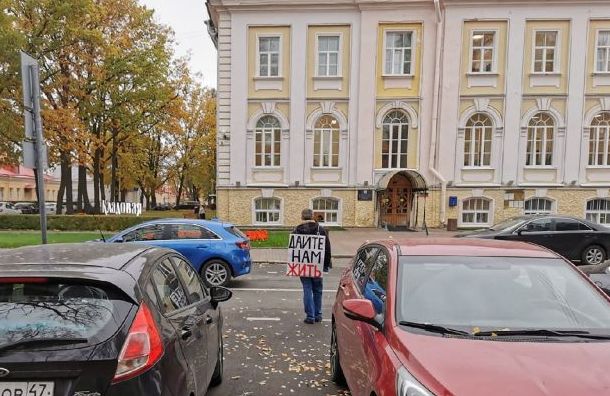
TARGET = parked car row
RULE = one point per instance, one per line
(13, 208)
(418, 317)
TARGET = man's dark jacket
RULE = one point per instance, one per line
(313, 228)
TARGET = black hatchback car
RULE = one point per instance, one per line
(576, 239)
(89, 319)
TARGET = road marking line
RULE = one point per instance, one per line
(272, 272)
(278, 290)
(326, 320)
(263, 319)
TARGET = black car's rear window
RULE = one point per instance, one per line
(40, 308)
(236, 232)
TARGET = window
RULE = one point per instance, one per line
(377, 283)
(538, 206)
(476, 211)
(267, 210)
(168, 286)
(477, 141)
(268, 141)
(363, 264)
(326, 142)
(328, 56)
(598, 211)
(546, 52)
(570, 225)
(269, 56)
(602, 52)
(398, 53)
(148, 233)
(191, 280)
(599, 140)
(326, 210)
(189, 231)
(483, 48)
(540, 225)
(540, 140)
(394, 141)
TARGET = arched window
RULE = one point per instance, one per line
(326, 210)
(476, 212)
(267, 210)
(598, 210)
(599, 140)
(394, 141)
(326, 142)
(538, 206)
(477, 141)
(540, 134)
(268, 141)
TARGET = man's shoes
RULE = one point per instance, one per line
(319, 319)
(308, 321)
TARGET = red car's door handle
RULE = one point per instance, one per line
(344, 288)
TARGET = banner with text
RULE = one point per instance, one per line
(306, 255)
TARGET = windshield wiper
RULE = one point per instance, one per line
(542, 333)
(42, 342)
(434, 328)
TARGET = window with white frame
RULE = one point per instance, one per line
(267, 141)
(540, 134)
(326, 142)
(269, 56)
(326, 210)
(598, 211)
(534, 206)
(328, 55)
(483, 52)
(267, 210)
(398, 53)
(476, 211)
(477, 141)
(599, 140)
(546, 51)
(602, 52)
(395, 140)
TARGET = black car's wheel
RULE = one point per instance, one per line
(336, 373)
(216, 273)
(218, 370)
(593, 255)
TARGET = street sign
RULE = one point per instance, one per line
(34, 151)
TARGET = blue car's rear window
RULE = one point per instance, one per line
(236, 232)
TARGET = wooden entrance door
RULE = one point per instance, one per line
(397, 202)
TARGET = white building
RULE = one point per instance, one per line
(371, 111)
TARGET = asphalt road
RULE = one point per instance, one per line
(268, 349)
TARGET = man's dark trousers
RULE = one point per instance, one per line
(312, 297)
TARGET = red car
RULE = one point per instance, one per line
(443, 317)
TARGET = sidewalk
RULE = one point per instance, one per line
(346, 243)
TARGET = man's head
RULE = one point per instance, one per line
(307, 214)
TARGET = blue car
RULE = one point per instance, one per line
(218, 251)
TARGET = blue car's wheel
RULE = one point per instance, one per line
(216, 273)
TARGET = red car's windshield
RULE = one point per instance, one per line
(490, 293)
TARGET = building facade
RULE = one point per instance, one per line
(18, 183)
(403, 112)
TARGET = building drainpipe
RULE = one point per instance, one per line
(440, 24)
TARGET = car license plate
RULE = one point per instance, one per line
(27, 388)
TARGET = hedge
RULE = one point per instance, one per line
(71, 223)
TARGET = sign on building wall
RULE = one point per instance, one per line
(365, 195)
(306, 255)
(119, 208)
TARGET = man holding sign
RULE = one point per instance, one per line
(309, 256)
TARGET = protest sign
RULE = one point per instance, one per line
(306, 255)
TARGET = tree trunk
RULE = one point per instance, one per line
(60, 194)
(153, 198)
(66, 176)
(180, 187)
(96, 181)
(114, 164)
(123, 195)
(83, 193)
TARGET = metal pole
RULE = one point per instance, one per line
(34, 75)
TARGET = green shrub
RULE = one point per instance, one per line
(71, 223)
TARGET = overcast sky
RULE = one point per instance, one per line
(187, 18)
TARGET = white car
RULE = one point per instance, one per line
(8, 209)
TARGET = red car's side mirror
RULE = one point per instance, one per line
(361, 310)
